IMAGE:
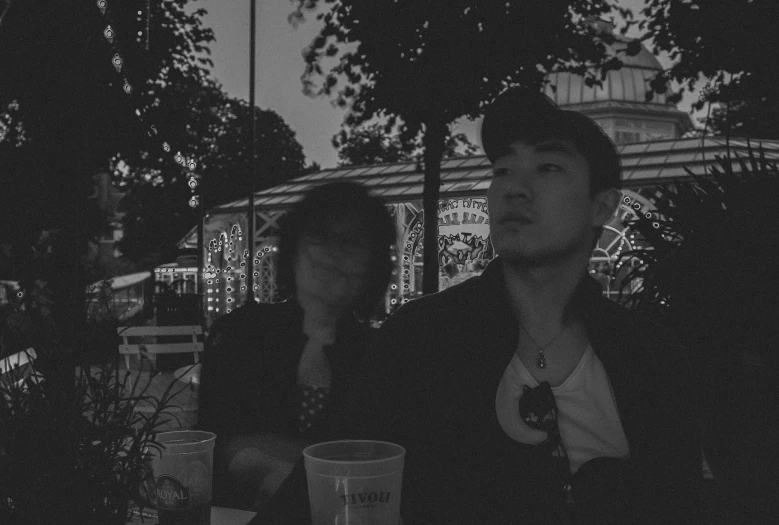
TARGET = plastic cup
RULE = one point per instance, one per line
(354, 482)
(183, 476)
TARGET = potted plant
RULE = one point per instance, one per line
(710, 269)
(73, 449)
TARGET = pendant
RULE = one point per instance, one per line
(540, 360)
(569, 495)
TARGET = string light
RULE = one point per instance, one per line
(148, 22)
(118, 62)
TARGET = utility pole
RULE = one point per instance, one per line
(200, 257)
(250, 233)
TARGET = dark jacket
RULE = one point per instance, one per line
(429, 384)
(248, 382)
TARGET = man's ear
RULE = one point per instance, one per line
(604, 205)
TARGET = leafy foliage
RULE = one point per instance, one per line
(710, 271)
(748, 112)
(442, 59)
(212, 134)
(423, 65)
(76, 107)
(374, 144)
(731, 44)
(80, 94)
(26, 321)
(710, 265)
(74, 449)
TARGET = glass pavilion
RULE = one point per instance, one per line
(655, 151)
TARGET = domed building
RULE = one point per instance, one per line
(623, 105)
(630, 113)
(652, 141)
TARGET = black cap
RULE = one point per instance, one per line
(530, 116)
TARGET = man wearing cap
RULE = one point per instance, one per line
(523, 396)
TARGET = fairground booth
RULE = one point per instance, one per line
(655, 148)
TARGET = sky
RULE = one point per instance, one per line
(279, 65)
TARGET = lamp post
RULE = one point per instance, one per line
(250, 233)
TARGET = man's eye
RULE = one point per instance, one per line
(499, 172)
(550, 167)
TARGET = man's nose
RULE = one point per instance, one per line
(519, 185)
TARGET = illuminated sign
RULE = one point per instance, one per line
(463, 230)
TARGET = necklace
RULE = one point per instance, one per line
(540, 356)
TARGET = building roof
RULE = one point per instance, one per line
(643, 164)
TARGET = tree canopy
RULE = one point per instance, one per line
(427, 64)
(210, 141)
(729, 46)
(82, 86)
(373, 144)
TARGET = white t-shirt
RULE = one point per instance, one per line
(586, 411)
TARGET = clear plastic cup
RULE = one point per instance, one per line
(183, 473)
(354, 482)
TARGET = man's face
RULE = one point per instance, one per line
(539, 203)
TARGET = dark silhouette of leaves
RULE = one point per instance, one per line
(374, 144)
(431, 63)
(211, 129)
(77, 111)
(731, 44)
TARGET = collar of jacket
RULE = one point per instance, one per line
(286, 316)
(493, 285)
(347, 325)
(604, 319)
(612, 331)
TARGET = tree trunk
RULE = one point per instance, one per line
(67, 276)
(433, 141)
(72, 139)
